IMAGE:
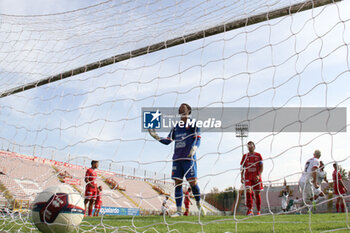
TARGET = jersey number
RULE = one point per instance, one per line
(307, 166)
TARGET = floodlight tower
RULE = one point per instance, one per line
(242, 132)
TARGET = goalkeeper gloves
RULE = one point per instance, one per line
(193, 151)
(154, 134)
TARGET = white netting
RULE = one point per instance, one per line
(296, 60)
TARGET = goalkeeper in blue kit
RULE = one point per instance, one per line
(187, 140)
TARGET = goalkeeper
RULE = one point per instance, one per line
(187, 139)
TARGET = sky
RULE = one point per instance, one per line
(293, 61)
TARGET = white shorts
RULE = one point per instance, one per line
(242, 187)
(308, 190)
(284, 205)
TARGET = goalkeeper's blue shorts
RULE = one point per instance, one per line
(181, 168)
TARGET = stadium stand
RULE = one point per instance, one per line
(25, 176)
(3, 201)
(113, 196)
(110, 197)
(14, 189)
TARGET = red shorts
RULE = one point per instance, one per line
(187, 205)
(98, 205)
(338, 191)
(255, 185)
(90, 192)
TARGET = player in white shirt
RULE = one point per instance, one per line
(308, 182)
(165, 206)
(284, 203)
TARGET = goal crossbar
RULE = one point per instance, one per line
(171, 43)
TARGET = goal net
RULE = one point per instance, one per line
(75, 87)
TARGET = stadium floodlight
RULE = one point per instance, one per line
(242, 130)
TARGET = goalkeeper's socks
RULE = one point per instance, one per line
(178, 196)
(196, 192)
(342, 207)
(178, 208)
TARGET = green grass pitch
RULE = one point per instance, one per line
(267, 223)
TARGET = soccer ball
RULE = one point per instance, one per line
(58, 209)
